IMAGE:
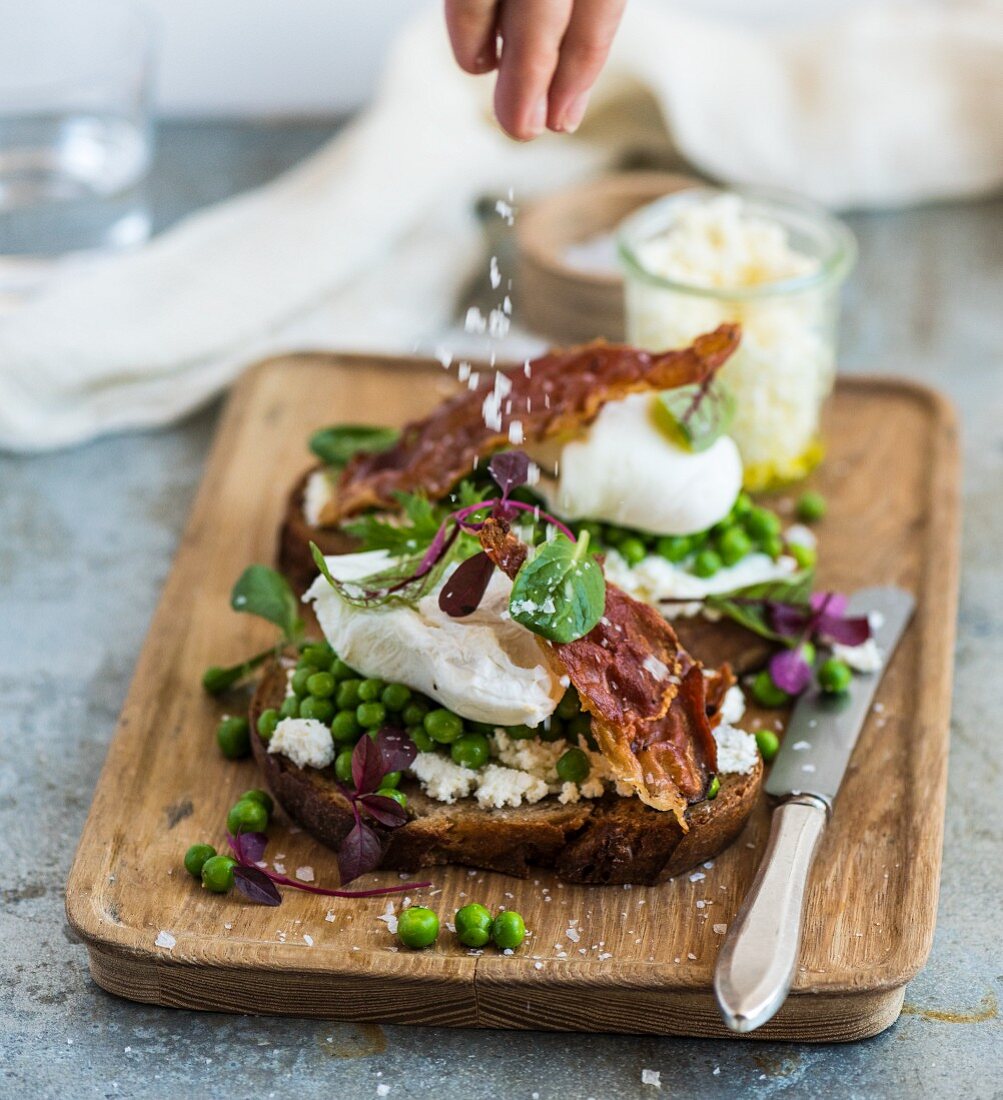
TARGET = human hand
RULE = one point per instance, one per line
(549, 56)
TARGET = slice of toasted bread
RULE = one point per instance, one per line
(602, 841)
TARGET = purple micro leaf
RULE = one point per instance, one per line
(367, 765)
(397, 749)
(249, 848)
(790, 671)
(255, 885)
(385, 810)
(462, 593)
(828, 603)
(360, 851)
(787, 619)
(851, 632)
(510, 469)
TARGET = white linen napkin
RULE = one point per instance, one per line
(366, 243)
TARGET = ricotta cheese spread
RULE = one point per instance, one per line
(627, 471)
(305, 741)
(485, 667)
(317, 494)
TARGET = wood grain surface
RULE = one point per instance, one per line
(644, 956)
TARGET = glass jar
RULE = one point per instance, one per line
(700, 257)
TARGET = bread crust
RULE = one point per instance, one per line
(605, 841)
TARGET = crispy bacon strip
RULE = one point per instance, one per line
(647, 696)
(552, 397)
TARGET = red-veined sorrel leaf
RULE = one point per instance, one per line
(463, 591)
(248, 847)
(360, 851)
(255, 885)
(385, 810)
(510, 469)
(367, 765)
(397, 749)
(845, 631)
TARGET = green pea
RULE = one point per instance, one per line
(774, 546)
(706, 563)
(674, 548)
(299, 679)
(520, 733)
(267, 721)
(256, 794)
(417, 927)
(391, 779)
(345, 726)
(473, 925)
(834, 676)
(768, 743)
(290, 707)
(573, 767)
(508, 930)
(343, 766)
(487, 728)
(811, 506)
(551, 730)
(733, 545)
(321, 710)
(613, 535)
(321, 684)
(395, 697)
(414, 713)
(233, 735)
(570, 706)
(761, 523)
(742, 506)
(370, 690)
(594, 529)
(470, 751)
(217, 874)
(443, 725)
(633, 550)
(371, 715)
(247, 816)
(318, 656)
(805, 556)
(340, 671)
(766, 692)
(391, 792)
(422, 741)
(195, 858)
(347, 696)
(714, 788)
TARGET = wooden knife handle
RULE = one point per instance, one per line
(757, 962)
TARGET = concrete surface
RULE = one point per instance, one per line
(86, 539)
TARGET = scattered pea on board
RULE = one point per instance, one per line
(417, 927)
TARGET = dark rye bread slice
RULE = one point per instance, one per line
(603, 841)
(713, 643)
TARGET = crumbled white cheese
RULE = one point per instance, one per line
(304, 741)
(733, 707)
(736, 750)
(498, 787)
(865, 657)
(316, 496)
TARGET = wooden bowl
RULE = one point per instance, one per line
(563, 300)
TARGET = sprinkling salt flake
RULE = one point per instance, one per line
(720, 929)
(308, 940)
(475, 321)
(493, 273)
(382, 1089)
(807, 767)
(304, 874)
(506, 211)
(507, 305)
(800, 746)
(515, 434)
(697, 876)
(463, 372)
(651, 1077)
(444, 357)
(165, 940)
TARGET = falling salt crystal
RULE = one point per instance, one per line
(475, 321)
(494, 273)
(651, 1077)
(506, 210)
(507, 305)
(515, 433)
(166, 940)
(463, 372)
(498, 324)
(304, 874)
(444, 357)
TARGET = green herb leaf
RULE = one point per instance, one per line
(336, 445)
(262, 591)
(560, 593)
(750, 606)
(698, 415)
(216, 680)
(395, 584)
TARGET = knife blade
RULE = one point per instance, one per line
(757, 962)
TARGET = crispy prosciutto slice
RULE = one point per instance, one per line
(552, 397)
(648, 698)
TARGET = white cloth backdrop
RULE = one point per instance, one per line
(366, 244)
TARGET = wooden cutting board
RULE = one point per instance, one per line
(637, 959)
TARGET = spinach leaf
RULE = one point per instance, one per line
(560, 593)
(698, 415)
(336, 445)
(261, 591)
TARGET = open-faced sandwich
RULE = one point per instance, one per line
(497, 586)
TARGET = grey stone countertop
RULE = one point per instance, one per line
(86, 539)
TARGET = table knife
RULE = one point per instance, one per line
(757, 962)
